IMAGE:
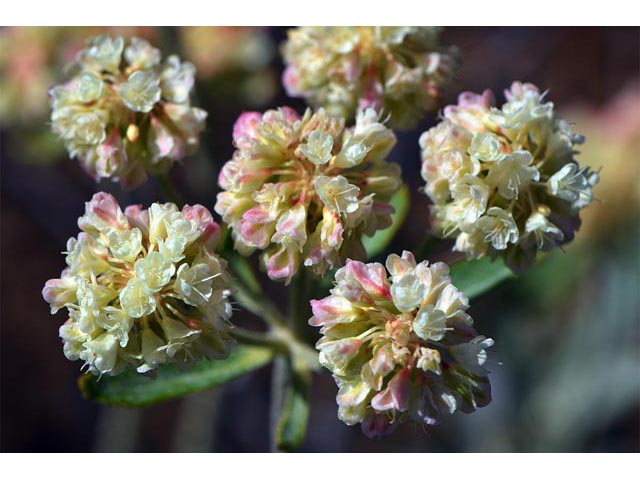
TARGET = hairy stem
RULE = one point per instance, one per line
(256, 303)
(248, 337)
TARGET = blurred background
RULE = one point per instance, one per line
(567, 373)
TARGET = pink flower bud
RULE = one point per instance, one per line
(283, 265)
(203, 218)
(244, 130)
(59, 291)
(372, 277)
(138, 217)
(330, 310)
(103, 213)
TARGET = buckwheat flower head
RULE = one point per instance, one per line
(303, 190)
(505, 182)
(124, 113)
(142, 288)
(400, 345)
(397, 70)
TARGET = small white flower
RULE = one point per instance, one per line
(430, 323)
(572, 184)
(194, 284)
(155, 271)
(89, 129)
(318, 147)
(499, 228)
(125, 244)
(546, 234)
(471, 195)
(141, 91)
(136, 300)
(352, 154)
(408, 292)
(513, 173)
(103, 53)
(177, 79)
(337, 193)
(89, 88)
(140, 54)
(486, 147)
(101, 352)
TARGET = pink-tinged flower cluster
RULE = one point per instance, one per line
(142, 288)
(504, 182)
(303, 190)
(400, 344)
(397, 70)
(124, 114)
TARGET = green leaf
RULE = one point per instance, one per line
(381, 239)
(131, 389)
(291, 428)
(479, 276)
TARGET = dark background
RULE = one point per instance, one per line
(567, 332)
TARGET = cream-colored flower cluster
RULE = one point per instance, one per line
(401, 348)
(397, 70)
(305, 189)
(142, 288)
(504, 181)
(125, 114)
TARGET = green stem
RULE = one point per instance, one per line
(257, 304)
(278, 386)
(291, 376)
(169, 190)
(248, 337)
(299, 304)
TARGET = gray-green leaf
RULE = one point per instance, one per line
(476, 277)
(131, 389)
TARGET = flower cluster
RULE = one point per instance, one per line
(504, 181)
(142, 288)
(401, 348)
(397, 70)
(305, 189)
(125, 114)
